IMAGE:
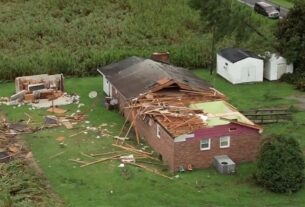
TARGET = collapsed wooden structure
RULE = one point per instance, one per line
(167, 102)
(183, 118)
(42, 86)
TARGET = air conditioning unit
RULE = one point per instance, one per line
(224, 164)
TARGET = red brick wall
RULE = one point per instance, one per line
(244, 142)
(163, 145)
(244, 145)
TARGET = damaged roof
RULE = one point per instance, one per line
(134, 75)
(237, 54)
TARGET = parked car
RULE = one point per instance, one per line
(266, 9)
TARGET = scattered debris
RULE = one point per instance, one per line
(121, 165)
(92, 94)
(127, 159)
(19, 127)
(14, 148)
(4, 100)
(100, 160)
(4, 157)
(51, 120)
(57, 110)
(67, 124)
(18, 97)
(150, 170)
(56, 155)
(60, 139)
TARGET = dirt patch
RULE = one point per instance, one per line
(300, 98)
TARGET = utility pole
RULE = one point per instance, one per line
(212, 51)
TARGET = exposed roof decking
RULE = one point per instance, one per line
(220, 113)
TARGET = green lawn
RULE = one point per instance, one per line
(104, 184)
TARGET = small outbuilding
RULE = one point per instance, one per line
(240, 66)
(276, 66)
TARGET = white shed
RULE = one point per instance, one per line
(240, 66)
(276, 66)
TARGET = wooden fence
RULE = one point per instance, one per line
(268, 116)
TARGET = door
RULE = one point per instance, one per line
(249, 74)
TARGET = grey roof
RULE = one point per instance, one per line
(113, 68)
(237, 54)
(134, 75)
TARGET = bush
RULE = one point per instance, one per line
(280, 166)
(297, 79)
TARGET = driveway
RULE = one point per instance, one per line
(251, 3)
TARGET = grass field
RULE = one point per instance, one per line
(105, 184)
(75, 36)
(284, 3)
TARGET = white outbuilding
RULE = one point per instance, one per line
(276, 66)
(240, 66)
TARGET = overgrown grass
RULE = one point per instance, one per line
(104, 184)
(21, 187)
(284, 3)
(75, 36)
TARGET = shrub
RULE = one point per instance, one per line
(280, 166)
(297, 79)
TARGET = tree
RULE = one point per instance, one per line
(280, 166)
(227, 18)
(290, 35)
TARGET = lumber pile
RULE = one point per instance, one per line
(127, 155)
(169, 107)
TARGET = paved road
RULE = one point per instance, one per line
(251, 3)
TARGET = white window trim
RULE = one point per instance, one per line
(158, 131)
(223, 137)
(207, 148)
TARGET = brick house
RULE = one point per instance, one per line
(182, 117)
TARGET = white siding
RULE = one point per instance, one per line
(275, 67)
(225, 68)
(244, 71)
(252, 70)
(107, 86)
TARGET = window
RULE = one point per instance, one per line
(205, 144)
(158, 131)
(232, 129)
(224, 142)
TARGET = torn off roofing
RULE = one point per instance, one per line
(134, 76)
(237, 54)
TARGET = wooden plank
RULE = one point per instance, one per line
(106, 153)
(100, 160)
(150, 170)
(56, 155)
(131, 149)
